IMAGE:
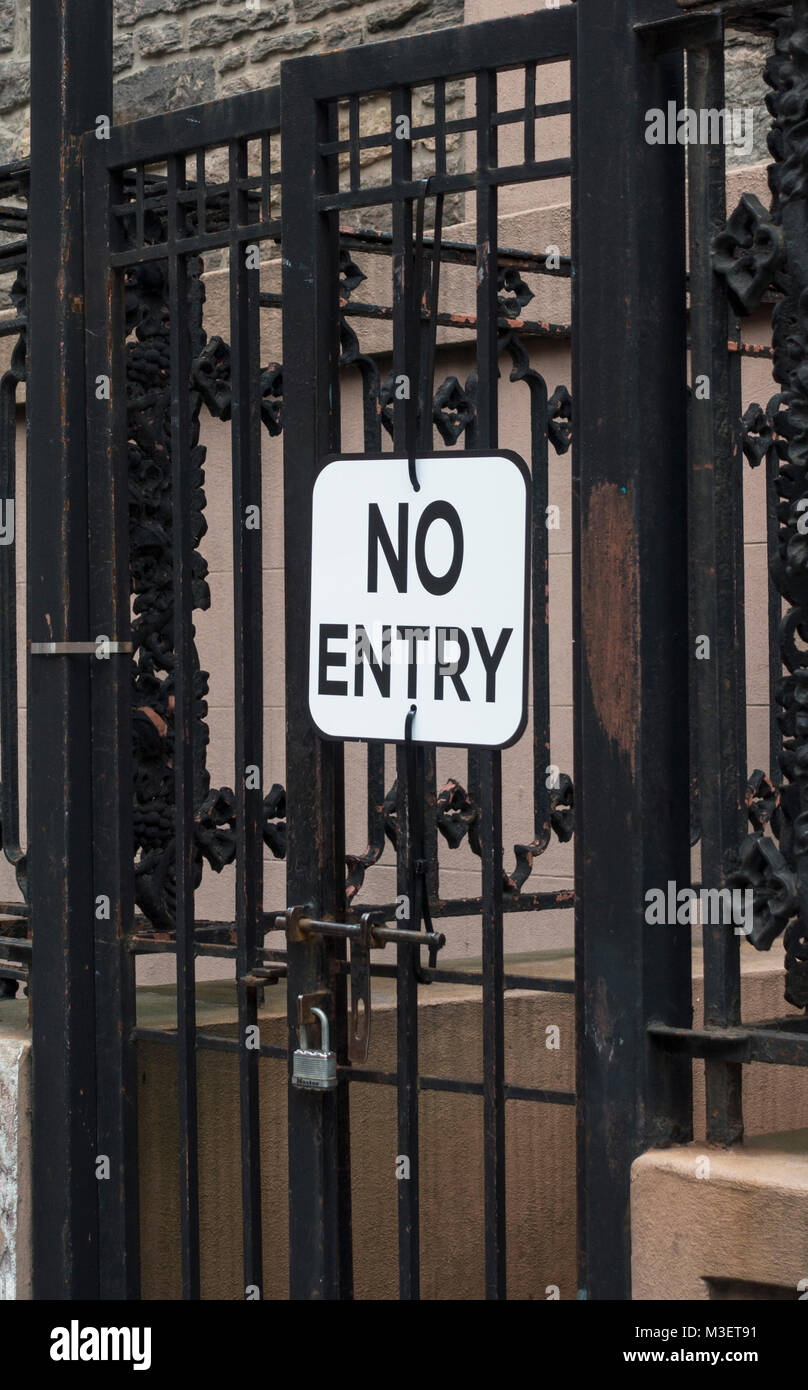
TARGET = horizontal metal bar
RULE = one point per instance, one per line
(303, 927)
(81, 648)
(275, 920)
(8, 971)
(455, 252)
(208, 1042)
(153, 138)
(446, 183)
(751, 349)
(681, 31)
(732, 9)
(472, 907)
(796, 1023)
(735, 1044)
(419, 938)
(460, 322)
(544, 35)
(456, 1086)
(537, 984)
(428, 132)
(192, 245)
(259, 979)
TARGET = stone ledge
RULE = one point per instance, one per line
(705, 1219)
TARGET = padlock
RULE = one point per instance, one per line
(315, 1069)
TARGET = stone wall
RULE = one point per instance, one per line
(173, 53)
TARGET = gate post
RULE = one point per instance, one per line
(630, 619)
(319, 1181)
(71, 82)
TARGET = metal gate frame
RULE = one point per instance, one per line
(628, 1096)
(631, 524)
(311, 88)
(112, 203)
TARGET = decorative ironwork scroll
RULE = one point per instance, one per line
(454, 413)
(151, 520)
(759, 252)
(150, 532)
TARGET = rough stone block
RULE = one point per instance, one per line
(155, 39)
(167, 87)
(130, 11)
(211, 30)
(342, 35)
(15, 84)
(291, 41)
(395, 16)
(123, 52)
(8, 16)
(310, 9)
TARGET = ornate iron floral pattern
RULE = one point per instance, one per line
(454, 413)
(150, 543)
(761, 251)
(149, 446)
(748, 254)
(150, 540)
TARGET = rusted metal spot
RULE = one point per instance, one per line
(609, 612)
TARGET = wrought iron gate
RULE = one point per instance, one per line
(282, 173)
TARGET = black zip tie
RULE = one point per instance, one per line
(422, 359)
(422, 364)
(428, 367)
(414, 344)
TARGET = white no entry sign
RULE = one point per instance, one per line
(420, 598)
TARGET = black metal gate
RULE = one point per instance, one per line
(284, 171)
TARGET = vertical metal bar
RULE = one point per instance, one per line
(490, 762)
(344, 1198)
(140, 211)
(201, 194)
(530, 112)
(440, 126)
(581, 1007)
(353, 141)
(184, 663)
(715, 523)
(409, 1235)
(266, 173)
(245, 347)
(775, 610)
(111, 680)
(631, 609)
(9, 707)
(425, 754)
(315, 833)
(540, 615)
(71, 79)
(736, 493)
(372, 438)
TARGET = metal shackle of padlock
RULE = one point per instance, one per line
(315, 1069)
